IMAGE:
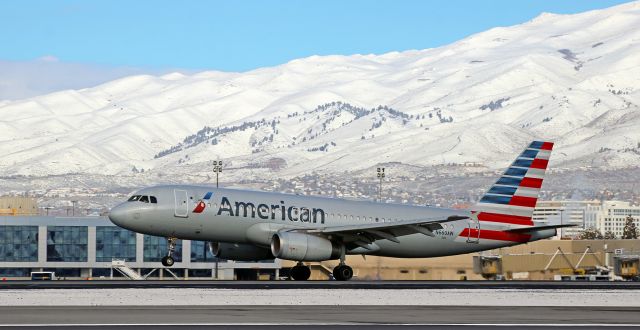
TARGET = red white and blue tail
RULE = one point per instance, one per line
(511, 200)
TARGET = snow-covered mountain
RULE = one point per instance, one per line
(574, 79)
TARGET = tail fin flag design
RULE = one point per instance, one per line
(513, 197)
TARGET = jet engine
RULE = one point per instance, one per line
(239, 252)
(303, 247)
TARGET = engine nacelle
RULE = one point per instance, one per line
(239, 252)
(303, 247)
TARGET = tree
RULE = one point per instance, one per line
(609, 235)
(591, 233)
(630, 230)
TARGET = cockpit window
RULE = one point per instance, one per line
(143, 199)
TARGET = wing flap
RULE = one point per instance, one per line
(370, 232)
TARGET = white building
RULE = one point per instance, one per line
(604, 216)
(612, 215)
(565, 212)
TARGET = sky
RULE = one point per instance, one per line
(49, 45)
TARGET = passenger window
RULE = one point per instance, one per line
(153, 199)
(134, 198)
(144, 199)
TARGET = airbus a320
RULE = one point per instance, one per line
(253, 225)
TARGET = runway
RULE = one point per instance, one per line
(388, 285)
(323, 327)
(318, 305)
(315, 317)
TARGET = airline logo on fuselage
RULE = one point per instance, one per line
(274, 211)
(202, 204)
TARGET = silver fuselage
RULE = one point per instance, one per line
(252, 217)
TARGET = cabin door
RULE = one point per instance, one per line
(182, 203)
(473, 231)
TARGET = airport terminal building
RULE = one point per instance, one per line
(93, 247)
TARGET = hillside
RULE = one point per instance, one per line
(573, 79)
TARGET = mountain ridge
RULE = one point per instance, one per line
(569, 78)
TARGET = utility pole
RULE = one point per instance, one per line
(217, 169)
(380, 172)
(561, 213)
(73, 214)
(47, 208)
(380, 176)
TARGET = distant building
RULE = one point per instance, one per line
(565, 212)
(602, 215)
(13, 206)
(612, 215)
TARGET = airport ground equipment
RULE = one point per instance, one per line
(121, 266)
(586, 263)
(627, 266)
(490, 266)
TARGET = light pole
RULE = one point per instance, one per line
(217, 169)
(561, 212)
(380, 176)
(73, 212)
(47, 208)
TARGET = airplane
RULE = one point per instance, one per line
(248, 225)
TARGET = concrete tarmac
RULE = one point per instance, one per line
(392, 285)
(319, 327)
(120, 316)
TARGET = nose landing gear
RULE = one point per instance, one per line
(167, 260)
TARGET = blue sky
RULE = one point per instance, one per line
(243, 35)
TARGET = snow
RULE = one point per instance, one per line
(204, 297)
(580, 72)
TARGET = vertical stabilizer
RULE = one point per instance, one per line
(511, 200)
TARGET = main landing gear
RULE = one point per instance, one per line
(167, 260)
(342, 272)
(300, 272)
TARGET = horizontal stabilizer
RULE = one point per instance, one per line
(537, 228)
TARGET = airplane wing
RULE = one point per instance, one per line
(364, 234)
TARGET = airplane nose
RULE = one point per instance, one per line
(119, 215)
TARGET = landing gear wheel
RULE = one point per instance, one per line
(167, 261)
(300, 272)
(342, 273)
